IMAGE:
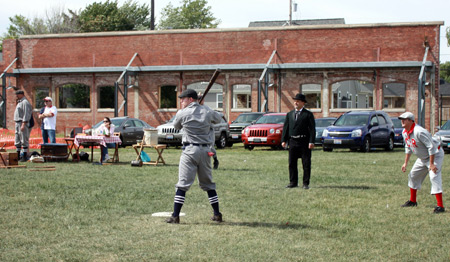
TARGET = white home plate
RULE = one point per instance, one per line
(165, 214)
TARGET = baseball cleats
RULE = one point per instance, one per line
(291, 186)
(173, 220)
(409, 203)
(217, 218)
(439, 209)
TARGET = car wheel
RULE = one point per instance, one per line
(365, 147)
(249, 147)
(390, 145)
(327, 149)
(229, 144)
(222, 142)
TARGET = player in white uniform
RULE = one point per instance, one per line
(430, 157)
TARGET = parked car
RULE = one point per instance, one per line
(266, 131)
(321, 124)
(398, 129)
(167, 134)
(131, 129)
(360, 130)
(241, 122)
(443, 135)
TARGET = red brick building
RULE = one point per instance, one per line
(338, 67)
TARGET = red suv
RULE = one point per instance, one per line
(265, 132)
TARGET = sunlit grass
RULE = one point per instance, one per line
(83, 212)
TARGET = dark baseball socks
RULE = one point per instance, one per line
(214, 201)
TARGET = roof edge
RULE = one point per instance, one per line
(244, 29)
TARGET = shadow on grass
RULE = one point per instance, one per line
(268, 225)
(348, 187)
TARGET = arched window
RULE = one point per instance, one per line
(106, 96)
(394, 95)
(214, 98)
(168, 97)
(313, 95)
(352, 94)
(39, 94)
(242, 96)
(74, 96)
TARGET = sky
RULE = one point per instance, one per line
(238, 13)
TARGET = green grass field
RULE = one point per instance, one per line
(84, 212)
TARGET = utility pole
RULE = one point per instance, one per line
(290, 12)
(152, 15)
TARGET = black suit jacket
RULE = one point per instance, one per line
(304, 125)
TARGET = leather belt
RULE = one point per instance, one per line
(193, 144)
(299, 136)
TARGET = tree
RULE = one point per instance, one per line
(444, 71)
(192, 14)
(108, 16)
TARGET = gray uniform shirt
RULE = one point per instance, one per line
(23, 111)
(196, 121)
(420, 143)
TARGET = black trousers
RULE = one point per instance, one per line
(298, 148)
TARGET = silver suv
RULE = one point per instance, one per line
(241, 122)
(167, 134)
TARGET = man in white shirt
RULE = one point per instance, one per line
(49, 120)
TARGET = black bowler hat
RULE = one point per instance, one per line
(20, 92)
(300, 97)
(189, 93)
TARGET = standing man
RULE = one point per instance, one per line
(430, 157)
(196, 121)
(22, 116)
(299, 131)
(49, 121)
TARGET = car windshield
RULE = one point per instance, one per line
(446, 126)
(271, 119)
(352, 120)
(398, 123)
(246, 118)
(324, 122)
(115, 122)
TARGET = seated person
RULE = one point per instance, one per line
(106, 129)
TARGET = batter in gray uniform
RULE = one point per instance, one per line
(196, 121)
(430, 157)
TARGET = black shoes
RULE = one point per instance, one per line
(216, 163)
(439, 209)
(409, 203)
(217, 218)
(173, 220)
(291, 186)
(305, 187)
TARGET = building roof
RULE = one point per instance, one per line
(332, 21)
(444, 89)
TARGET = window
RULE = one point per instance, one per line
(212, 99)
(39, 94)
(106, 96)
(168, 97)
(242, 96)
(394, 95)
(312, 93)
(74, 96)
(352, 94)
(373, 120)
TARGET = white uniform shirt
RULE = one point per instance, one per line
(420, 142)
(102, 130)
(50, 122)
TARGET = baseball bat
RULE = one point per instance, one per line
(211, 82)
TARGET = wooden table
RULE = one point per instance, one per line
(159, 149)
(95, 141)
(70, 141)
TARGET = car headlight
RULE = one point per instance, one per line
(271, 131)
(325, 133)
(278, 131)
(356, 133)
(245, 131)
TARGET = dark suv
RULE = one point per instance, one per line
(360, 130)
(241, 122)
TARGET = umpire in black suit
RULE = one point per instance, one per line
(299, 132)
